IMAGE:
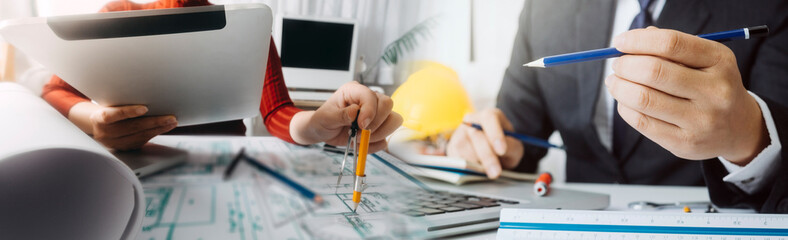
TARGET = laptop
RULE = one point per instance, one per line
(202, 64)
(444, 211)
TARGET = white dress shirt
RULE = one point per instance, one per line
(749, 178)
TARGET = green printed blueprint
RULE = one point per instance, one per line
(193, 202)
(217, 211)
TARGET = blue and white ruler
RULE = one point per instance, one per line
(570, 224)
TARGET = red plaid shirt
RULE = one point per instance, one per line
(276, 107)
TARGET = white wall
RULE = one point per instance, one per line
(495, 24)
(15, 8)
(10, 9)
(60, 7)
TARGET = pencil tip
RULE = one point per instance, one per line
(538, 63)
(318, 200)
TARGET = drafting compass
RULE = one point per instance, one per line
(351, 142)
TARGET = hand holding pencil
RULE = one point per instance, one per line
(683, 92)
(492, 148)
(686, 94)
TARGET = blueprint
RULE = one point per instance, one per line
(192, 201)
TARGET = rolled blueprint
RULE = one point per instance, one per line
(56, 182)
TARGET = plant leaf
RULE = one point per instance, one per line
(407, 42)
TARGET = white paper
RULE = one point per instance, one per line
(56, 182)
(192, 201)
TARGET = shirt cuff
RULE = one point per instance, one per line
(760, 171)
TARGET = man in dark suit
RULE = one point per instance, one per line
(675, 98)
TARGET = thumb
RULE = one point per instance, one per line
(344, 117)
(352, 114)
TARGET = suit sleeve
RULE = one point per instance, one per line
(769, 80)
(770, 199)
(520, 97)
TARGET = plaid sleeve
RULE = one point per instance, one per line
(276, 107)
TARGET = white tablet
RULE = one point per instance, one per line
(201, 64)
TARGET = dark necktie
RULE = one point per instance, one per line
(620, 127)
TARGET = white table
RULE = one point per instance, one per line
(620, 195)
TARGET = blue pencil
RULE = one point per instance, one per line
(604, 53)
(287, 181)
(522, 137)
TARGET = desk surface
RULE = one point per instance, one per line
(620, 195)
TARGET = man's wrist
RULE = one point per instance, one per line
(756, 174)
(750, 148)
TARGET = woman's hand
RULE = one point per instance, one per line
(120, 128)
(331, 122)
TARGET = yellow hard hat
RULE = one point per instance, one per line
(432, 100)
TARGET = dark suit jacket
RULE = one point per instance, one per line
(563, 98)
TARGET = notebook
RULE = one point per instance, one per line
(449, 169)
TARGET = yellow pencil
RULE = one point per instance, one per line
(361, 158)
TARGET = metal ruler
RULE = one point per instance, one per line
(570, 224)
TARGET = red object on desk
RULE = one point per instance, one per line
(542, 184)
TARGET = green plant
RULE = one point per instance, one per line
(404, 44)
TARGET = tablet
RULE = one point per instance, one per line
(201, 64)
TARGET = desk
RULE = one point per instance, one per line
(198, 187)
(620, 195)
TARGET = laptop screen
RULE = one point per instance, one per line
(316, 45)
